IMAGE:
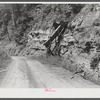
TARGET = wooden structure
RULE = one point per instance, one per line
(57, 36)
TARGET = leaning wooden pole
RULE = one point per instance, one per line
(57, 33)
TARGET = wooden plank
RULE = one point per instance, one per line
(56, 33)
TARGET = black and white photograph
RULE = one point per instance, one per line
(45, 45)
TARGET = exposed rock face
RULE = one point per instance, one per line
(86, 23)
(85, 27)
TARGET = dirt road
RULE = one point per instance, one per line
(25, 73)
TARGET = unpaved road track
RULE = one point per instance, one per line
(25, 73)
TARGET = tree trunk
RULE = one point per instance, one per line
(13, 16)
